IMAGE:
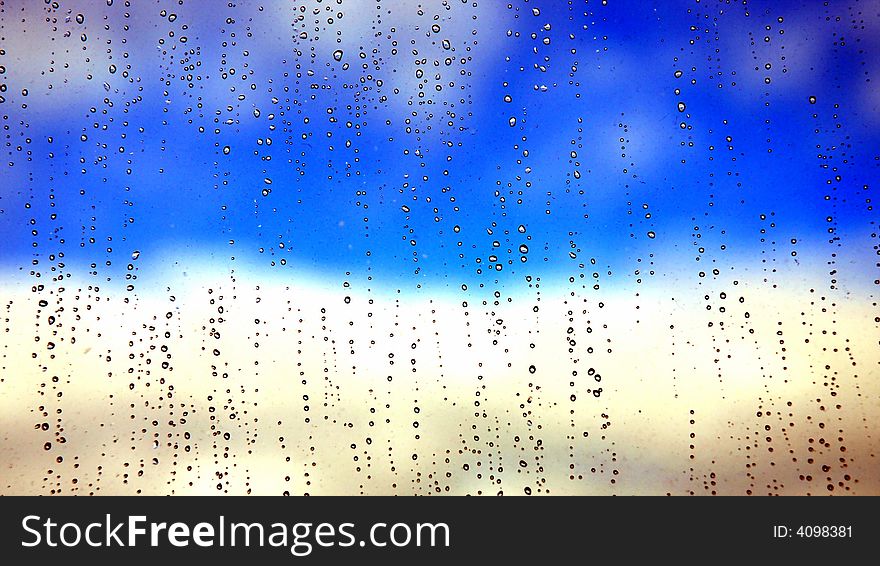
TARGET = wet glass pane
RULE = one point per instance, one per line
(457, 247)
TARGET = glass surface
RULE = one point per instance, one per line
(457, 247)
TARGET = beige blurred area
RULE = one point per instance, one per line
(283, 388)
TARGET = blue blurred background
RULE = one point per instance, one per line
(400, 145)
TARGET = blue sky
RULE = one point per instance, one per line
(339, 166)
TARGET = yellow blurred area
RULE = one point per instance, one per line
(310, 392)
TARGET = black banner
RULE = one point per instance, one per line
(400, 530)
